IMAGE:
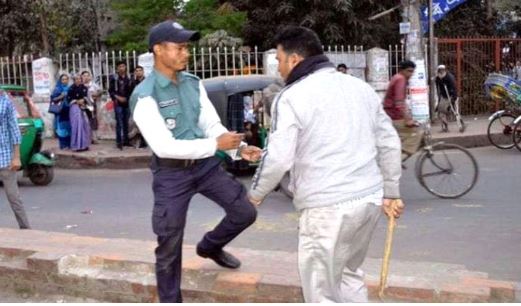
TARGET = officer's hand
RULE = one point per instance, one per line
(251, 153)
(253, 201)
(393, 207)
(229, 141)
(15, 164)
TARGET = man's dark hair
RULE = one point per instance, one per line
(406, 65)
(121, 63)
(341, 66)
(139, 67)
(84, 72)
(299, 40)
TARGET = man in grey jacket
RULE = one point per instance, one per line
(330, 131)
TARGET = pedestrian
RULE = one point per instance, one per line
(10, 140)
(62, 125)
(93, 96)
(395, 105)
(447, 95)
(120, 89)
(139, 76)
(342, 68)
(517, 71)
(180, 124)
(330, 131)
(80, 126)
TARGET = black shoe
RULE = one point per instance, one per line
(127, 144)
(222, 258)
(120, 146)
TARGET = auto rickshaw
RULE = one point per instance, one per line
(227, 95)
(37, 165)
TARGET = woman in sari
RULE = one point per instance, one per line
(80, 126)
(62, 126)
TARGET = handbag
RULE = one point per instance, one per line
(55, 108)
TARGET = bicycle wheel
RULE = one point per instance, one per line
(447, 170)
(517, 135)
(499, 131)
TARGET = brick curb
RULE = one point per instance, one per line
(122, 270)
(72, 160)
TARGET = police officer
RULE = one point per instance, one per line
(173, 112)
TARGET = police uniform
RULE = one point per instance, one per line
(180, 124)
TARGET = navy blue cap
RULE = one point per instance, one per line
(170, 31)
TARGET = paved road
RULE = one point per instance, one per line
(481, 230)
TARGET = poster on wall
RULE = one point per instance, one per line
(146, 61)
(271, 63)
(419, 93)
(43, 72)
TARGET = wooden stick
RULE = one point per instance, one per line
(387, 253)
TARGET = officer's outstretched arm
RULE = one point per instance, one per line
(210, 122)
(160, 139)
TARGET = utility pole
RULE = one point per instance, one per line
(414, 40)
(414, 51)
(432, 60)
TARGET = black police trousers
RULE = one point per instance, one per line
(173, 189)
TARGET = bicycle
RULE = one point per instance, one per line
(442, 162)
(500, 130)
(516, 134)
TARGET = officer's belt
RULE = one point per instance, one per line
(175, 163)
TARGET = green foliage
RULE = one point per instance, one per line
(49, 26)
(137, 16)
(469, 19)
(336, 22)
(220, 39)
(16, 30)
(208, 16)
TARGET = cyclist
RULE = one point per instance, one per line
(396, 107)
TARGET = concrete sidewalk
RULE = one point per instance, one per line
(122, 270)
(106, 155)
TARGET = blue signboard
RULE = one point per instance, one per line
(440, 8)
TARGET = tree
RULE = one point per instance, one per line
(482, 18)
(336, 22)
(208, 16)
(220, 39)
(50, 26)
(16, 31)
(470, 18)
(137, 16)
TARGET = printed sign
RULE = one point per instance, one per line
(419, 93)
(43, 72)
(405, 27)
(146, 61)
(440, 8)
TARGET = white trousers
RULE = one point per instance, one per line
(333, 243)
